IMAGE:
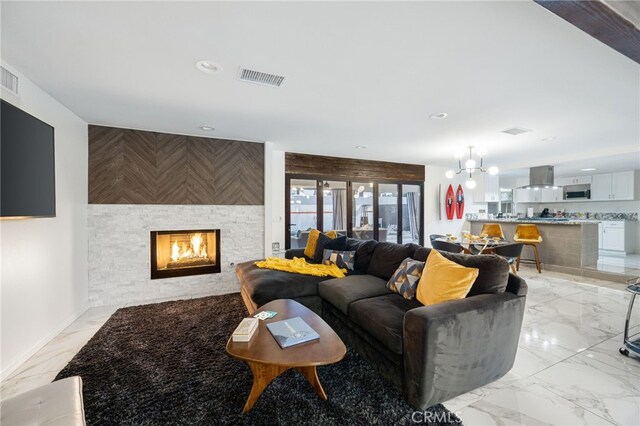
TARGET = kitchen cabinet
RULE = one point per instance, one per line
(613, 235)
(613, 186)
(572, 180)
(524, 195)
(551, 195)
(487, 189)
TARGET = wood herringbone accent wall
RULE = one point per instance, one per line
(136, 167)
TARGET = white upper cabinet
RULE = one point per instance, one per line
(622, 185)
(551, 194)
(487, 189)
(613, 186)
(528, 195)
(601, 187)
(572, 180)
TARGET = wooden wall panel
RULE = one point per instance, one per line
(136, 167)
(235, 168)
(350, 168)
(171, 155)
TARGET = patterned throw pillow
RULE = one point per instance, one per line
(406, 278)
(343, 259)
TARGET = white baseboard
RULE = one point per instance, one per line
(24, 356)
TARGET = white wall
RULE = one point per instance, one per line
(434, 176)
(43, 285)
(273, 197)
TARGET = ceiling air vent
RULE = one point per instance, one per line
(262, 78)
(9, 81)
(515, 131)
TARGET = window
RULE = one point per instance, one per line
(411, 214)
(388, 212)
(384, 211)
(303, 211)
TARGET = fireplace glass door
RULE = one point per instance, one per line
(180, 253)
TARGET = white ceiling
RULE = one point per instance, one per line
(357, 74)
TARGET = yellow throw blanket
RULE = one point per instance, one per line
(300, 266)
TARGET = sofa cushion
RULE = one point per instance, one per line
(405, 279)
(364, 250)
(327, 243)
(265, 285)
(340, 292)
(383, 318)
(387, 257)
(444, 280)
(493, 275)
(310, 249)
(343, 259)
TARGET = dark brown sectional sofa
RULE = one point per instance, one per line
(431, 353)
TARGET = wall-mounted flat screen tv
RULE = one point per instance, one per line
(27, 165)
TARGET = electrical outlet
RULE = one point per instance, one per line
(275, 247)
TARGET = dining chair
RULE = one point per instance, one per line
(435, 236)
(446, 246)
(492, 230)
(511, 252)
(528, 234)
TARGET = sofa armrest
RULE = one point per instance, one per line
(291, 253)
(517, 285)
(457, 346)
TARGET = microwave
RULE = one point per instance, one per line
(582, 194)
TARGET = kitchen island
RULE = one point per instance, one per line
(567, 244)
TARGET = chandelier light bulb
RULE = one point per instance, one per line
(482, 152)
(470, 184)
(470, 163)
(449, 174)
(458, 155)
(493, 170)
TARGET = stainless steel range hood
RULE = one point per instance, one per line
(540, 177)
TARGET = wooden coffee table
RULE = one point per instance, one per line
(267, 360)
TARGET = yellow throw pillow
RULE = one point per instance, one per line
(310, 249)
(444, 280)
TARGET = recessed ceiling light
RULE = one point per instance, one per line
(207, 128)
(549, 139)
(438, 115)
(588, 169)
(208, 67)
(361, 147)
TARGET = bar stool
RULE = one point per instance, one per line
(528, 234)
(492, 230)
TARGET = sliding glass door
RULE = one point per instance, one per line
(384, 211)
(411, 214)
(303, 208)
(388, 212)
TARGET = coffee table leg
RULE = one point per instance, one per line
(263, 374)
(312, 377)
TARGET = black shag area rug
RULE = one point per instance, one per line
(166, 364)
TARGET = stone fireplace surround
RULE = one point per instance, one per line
(119, 248)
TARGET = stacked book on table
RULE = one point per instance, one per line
(245, 330)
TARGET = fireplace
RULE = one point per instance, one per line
(181, 253)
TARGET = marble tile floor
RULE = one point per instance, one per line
(628, 265)
(568, 370)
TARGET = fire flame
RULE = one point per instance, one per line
(195, 249)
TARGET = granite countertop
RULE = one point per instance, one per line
(540, 221)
